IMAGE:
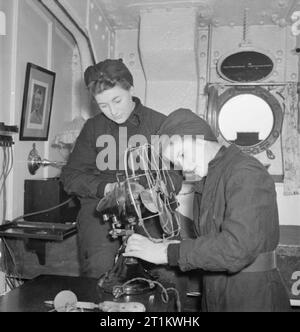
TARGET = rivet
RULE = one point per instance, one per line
(282, 3)
(282, 23)
(216, 22)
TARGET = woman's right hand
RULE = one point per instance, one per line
(141, 247)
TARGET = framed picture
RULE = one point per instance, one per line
(37, 103)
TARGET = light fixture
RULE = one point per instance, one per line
(2, 24)
(34, 161)
(64, 141)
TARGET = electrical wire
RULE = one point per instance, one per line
(42, 211)
(164, 293)
(12, 256)
(4, 168)
(8, 162)
(8, 165)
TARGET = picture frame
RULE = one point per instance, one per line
(37, 103)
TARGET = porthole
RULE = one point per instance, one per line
(248, 116)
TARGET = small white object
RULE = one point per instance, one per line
(110, 306)
(295, 303)
(64, 301)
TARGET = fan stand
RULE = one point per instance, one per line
(128, 276)
(124, 270)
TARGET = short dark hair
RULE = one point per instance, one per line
(106, 83)
(106, 75)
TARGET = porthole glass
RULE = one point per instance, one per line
(238, 120)
(248, 116)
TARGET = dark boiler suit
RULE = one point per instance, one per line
(236, 223)
(82, 177)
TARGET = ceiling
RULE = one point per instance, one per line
(124, 14)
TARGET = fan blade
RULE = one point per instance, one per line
(149, 198)
(165, 217)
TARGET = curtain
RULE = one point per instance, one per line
(291, 141)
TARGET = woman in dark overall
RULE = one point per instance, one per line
(235, 219)
(91, 171)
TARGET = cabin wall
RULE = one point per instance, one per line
(33, 35)
(91, 19)
(127, 48)
(210, 45)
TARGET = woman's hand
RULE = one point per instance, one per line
(141, 247)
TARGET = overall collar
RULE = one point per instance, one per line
(136, 114)
(224, 154)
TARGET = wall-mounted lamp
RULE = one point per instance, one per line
(2, 24)
(34, 161)
(64, 141)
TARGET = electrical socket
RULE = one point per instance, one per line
(6, 141)
(6, 133)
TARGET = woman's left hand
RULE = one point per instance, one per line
(141, 247)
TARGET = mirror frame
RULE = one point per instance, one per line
(215, 104)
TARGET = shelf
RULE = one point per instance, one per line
(38, 230)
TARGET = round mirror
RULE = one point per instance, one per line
(246, 109)
(248, 116)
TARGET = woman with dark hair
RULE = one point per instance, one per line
(97, 158)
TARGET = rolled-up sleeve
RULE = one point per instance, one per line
(250, 199)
